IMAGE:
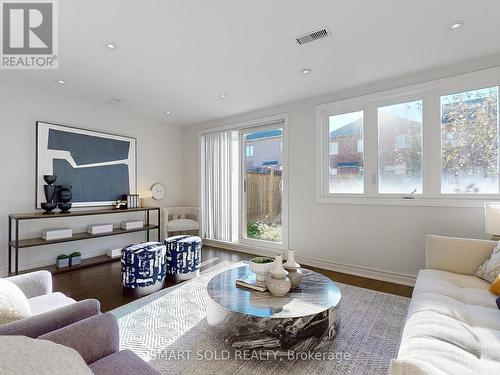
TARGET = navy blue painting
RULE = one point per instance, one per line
(100, 167)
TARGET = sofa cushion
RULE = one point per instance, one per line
(453, 325)
(122, 363)
(49, 302)
(13, 303)
(490, 269)
(495, 286)
(178, 225)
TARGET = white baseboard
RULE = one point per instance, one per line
(369, 273)
(242, 248)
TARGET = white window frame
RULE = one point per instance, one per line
(430, 94)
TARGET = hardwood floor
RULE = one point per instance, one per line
(103, 282)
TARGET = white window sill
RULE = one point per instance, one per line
(417, 201)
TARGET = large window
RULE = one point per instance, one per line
(400, 148)
(345, 157)
(433, 143)
(469, 142)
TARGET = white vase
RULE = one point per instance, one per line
(278, 282)
(293, 268)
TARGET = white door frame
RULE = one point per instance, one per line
(269, 123)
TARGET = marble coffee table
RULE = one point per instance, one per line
(306, 319)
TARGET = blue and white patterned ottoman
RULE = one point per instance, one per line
(143, 268)
(183, 257)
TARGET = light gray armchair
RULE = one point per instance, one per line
(97, 341)
(181, 220)
(50, 311)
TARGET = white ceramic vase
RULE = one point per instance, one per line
(293, 268)
(278, 282)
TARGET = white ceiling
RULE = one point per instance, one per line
(180, 55)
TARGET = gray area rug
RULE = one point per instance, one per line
(168, 330)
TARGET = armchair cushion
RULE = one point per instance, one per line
(49, 302)
(33, 284)
(40, 324)
(13, 303)
(94, 338)
(26, 356)
(179, 225)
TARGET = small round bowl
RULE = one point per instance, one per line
(64, 207)
(260, 266)
(48, 207)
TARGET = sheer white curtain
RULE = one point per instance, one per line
(219, 160)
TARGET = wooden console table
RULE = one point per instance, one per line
(15, 243)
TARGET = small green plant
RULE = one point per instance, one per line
(262, 260)
(62, 256)
(75, 254)
(254, 229)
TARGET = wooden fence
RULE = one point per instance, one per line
(264, 195)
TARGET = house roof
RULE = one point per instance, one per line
(390, 120)
(264, 134)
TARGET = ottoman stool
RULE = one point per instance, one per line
(143, 268)
(183, 257)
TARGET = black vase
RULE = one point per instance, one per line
(50, 192)
(64, 196)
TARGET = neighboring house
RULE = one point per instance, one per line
(398, 134)
(263, 149)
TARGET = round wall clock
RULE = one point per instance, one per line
(158, 191)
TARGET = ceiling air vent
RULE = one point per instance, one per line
(311, 37)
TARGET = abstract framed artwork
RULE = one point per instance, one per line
(100, 167)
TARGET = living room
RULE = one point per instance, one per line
(245, 187)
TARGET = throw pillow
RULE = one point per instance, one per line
(25, 356)
(491, 268)
(495, 286)
(13, 303)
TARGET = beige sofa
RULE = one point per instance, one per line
(453, 322)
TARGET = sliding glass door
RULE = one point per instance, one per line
(262, 183)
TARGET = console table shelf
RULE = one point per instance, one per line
(88, 262)
(15, 243)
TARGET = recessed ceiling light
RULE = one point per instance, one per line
(306, 71)
(110, 45)
(456, 25)
(60, 82)
(114, 101)
(223, 96)
(167, 113)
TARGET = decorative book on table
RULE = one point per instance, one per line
(249, 282)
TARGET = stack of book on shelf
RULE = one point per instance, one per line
(249, 282)
(132, 224)
(99, 228)
(133, 200)
(57, 234)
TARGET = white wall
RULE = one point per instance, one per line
(159, 160)
(367, 237)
